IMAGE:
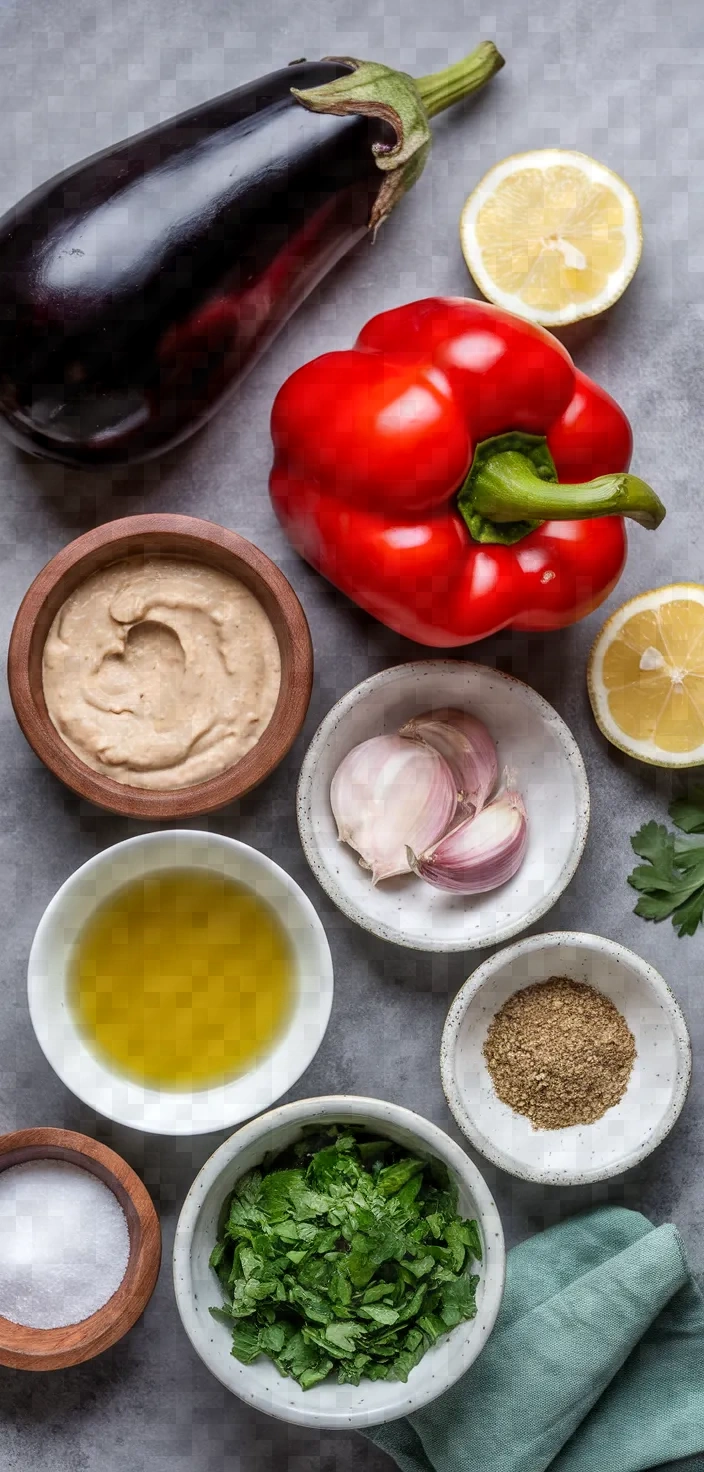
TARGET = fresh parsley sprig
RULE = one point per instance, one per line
(345, 1255)
(671, 881)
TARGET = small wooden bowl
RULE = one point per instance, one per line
(175, 536)
(22, 1348)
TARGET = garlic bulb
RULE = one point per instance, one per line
(467, 748)
(481, 852)
(388, 796)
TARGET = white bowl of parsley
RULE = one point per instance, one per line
(339, 1262)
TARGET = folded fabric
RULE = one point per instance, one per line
(596, 1363)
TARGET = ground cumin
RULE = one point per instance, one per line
(559, 1052)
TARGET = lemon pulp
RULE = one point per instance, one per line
(182, 979)
(570, 239)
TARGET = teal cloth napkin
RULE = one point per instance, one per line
(596, 1363)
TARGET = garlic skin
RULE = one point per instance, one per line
(389, 797)
(468, 749)
(479, 853)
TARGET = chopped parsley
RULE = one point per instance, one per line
(344, 1255)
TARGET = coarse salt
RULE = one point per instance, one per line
(64, 1244)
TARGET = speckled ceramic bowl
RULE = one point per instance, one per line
(627, 1132)
(531, 739)
(260, 1384)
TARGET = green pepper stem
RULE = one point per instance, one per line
(440, 90)
(506, 488)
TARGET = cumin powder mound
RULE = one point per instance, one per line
(559, 1052)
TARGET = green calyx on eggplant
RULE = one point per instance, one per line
(137, 287)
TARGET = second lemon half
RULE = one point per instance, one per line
(646, 676)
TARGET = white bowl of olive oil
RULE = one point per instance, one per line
(180, 982)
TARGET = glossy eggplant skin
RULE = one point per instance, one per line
(137, 287)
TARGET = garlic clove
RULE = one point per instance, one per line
(389, 795)
(467, 747)
(479, 853)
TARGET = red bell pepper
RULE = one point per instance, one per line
(420, 473)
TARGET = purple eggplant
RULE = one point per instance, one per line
(138, 286)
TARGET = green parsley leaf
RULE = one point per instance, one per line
(393, 1177)
(671, 882)
(456, 1244)
(687, 813)
(350, 1371)
(245, 1343)
(371, 1248)
(218, 1253)
(340, 1288)
(272, 1338)
(410, 1355)
(688, 916)
(378, 1372)
(221, 1316)
(380, 1313)
(471, 1238)
(431, 1326)
(342, 1336)
(458, 1301)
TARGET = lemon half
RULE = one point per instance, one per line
(552, 235)
(646, 676)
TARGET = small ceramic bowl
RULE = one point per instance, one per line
(91, 1077)
(22, 1348)
(532, 740)
(173, 536)
(626, 1133)
(260, 1384)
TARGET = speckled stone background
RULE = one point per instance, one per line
(622, 79)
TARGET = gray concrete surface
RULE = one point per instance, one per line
(620, 80)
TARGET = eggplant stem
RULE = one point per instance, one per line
(440, 90)
(405, 105)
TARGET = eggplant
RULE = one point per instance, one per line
(138, 286)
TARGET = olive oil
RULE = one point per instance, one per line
(182, 980)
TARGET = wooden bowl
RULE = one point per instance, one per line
(180, 536)
(22, 1348)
